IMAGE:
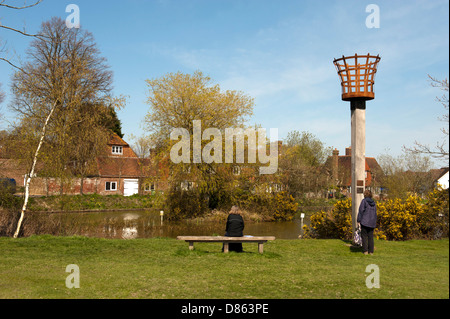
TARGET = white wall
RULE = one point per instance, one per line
(443, 181)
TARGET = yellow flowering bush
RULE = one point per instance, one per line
(335, 224)
(397, 219)
(285, 206)
(415, 217)
(433, 222)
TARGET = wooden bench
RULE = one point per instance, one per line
(226, 240)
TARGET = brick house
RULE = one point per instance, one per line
(339, 168)
(119, 171)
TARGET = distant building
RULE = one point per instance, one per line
(339, 168)
(120, 171)
(441, 177)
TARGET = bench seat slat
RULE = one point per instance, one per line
(226, 240)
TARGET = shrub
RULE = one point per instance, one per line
(8, 221)
(10, 201)
(434, 221)
(397, 219)
(279, 206)
(284, 206)
(335, 224)
(183, 204)
(10, 206)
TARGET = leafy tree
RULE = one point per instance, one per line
(308, 148)
(61, 95)
(177, 100)
(300, 163)
(112, 121)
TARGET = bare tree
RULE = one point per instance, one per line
(60, 94)
(406, 174)
(142, 145)
(2, 97)
(440, 150)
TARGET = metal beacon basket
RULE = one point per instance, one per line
(357, 75)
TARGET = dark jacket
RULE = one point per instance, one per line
(367, 214)
(235, 226)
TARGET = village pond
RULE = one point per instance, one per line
(147, 224)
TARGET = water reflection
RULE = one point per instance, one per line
(129, 232)
(147, 224)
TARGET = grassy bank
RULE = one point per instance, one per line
(35, 267)
(90, 202)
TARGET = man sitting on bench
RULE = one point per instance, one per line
(235, 228)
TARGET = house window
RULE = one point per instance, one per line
(117, 150)
(149, 187)
(236, 170)
(111, 186)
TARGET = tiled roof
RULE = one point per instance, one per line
(122, 166)
(117, 140)
(438, 173)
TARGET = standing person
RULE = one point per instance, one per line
(367, 218)
(235, 228)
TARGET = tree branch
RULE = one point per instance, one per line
(21, 32)
(13, 65)
(2, 4)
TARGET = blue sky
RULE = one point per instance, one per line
(279, 52)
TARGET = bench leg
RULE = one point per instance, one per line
(225, 247)
(260, 247)
(191, 245)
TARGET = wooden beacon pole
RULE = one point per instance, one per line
(358, 132)
(357, 75)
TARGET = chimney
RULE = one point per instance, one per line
(335, 164)
(348, 151)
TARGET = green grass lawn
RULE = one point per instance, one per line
(35, 267)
